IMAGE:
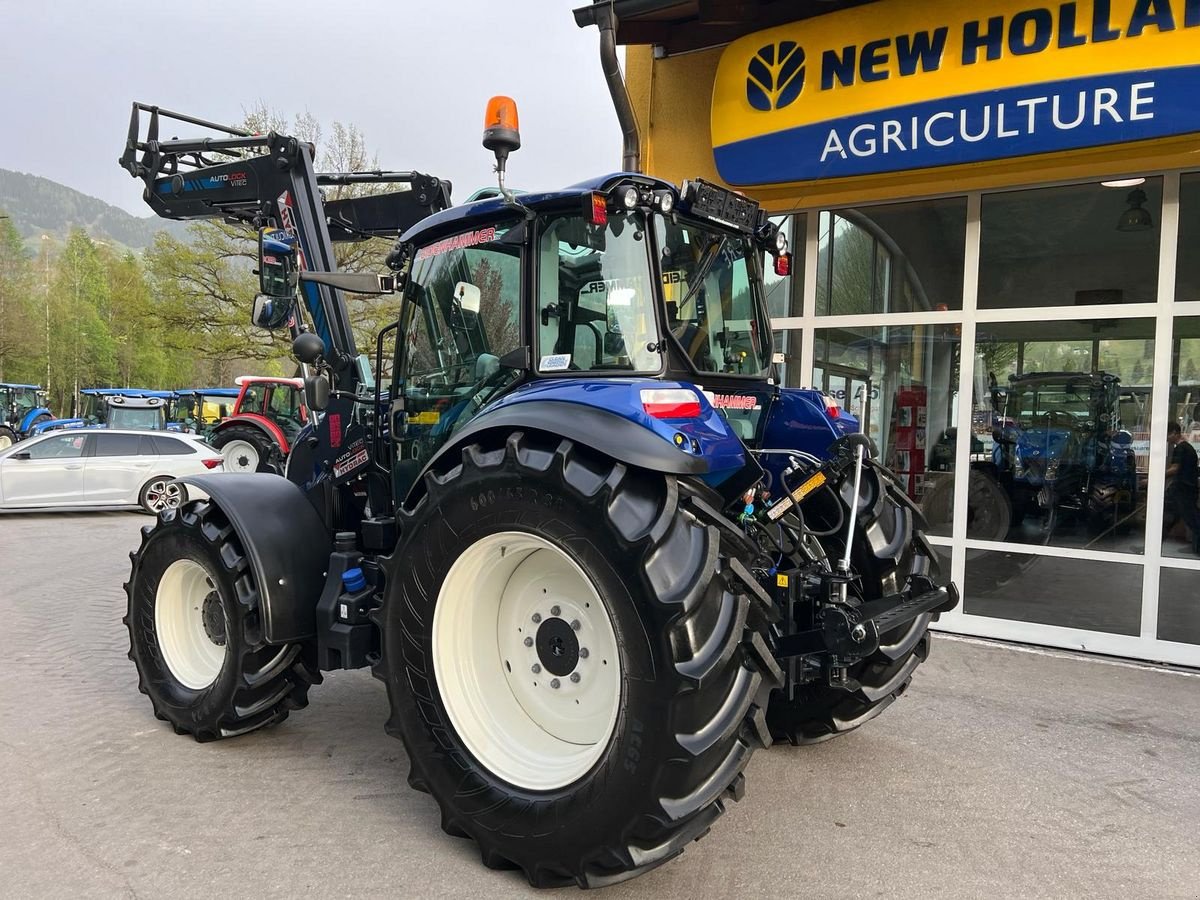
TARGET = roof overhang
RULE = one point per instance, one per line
(678, 26)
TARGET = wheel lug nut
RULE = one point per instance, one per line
(537, 617)
(554, 610)
(583, 652)
(575, 678)
(528, 642)
(575, 626)
(536, 668)
(554, 683)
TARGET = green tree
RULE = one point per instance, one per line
(82, 345)
(18, 355)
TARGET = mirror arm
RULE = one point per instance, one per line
(355, 283)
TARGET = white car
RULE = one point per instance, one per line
(102, 467)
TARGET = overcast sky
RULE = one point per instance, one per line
(413, 76)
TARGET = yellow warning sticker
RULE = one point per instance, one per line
(808, 487)
(429, 417)
(781, 581)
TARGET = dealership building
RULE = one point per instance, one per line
(994, 213)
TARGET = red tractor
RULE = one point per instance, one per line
(266, 419)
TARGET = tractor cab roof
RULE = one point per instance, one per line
(458, 217)
(9, 384)
(208, 392)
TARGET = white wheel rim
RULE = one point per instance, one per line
(192, 655)
(240, 456)
(162, 495)
(499, 693)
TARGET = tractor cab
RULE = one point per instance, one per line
(22, 406)
(199, 410)
(136, 413)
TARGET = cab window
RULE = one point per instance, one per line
(596, 296)
(712, 304)
(460, 317)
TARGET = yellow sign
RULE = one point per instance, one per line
(895, 85)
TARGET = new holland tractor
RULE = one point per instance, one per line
(596, 556)
(22, 408)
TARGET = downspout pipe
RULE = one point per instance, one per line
(606, 21)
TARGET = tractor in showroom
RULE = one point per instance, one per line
(596, 555)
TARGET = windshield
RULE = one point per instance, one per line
(1064, 404)
(140, 419)
(596, 296)
(710, 289)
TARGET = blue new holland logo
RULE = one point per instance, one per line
(775, 76)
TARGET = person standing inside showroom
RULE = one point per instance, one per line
(1182, 486)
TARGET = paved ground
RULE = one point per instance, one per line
(1000, 774)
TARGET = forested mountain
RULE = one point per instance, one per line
(40, 206)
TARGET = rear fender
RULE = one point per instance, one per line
(27, 421)
(602, 417)
(286, 542)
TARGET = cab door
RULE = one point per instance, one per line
(47, 472)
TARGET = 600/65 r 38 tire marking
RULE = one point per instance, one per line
(670, 692)
(195, 633)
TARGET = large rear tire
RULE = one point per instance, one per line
(887, 551)
(245, 449)
(513, 564)
(195, 632)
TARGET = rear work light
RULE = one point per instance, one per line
(212, 463)
(671, 403)
(596, 209)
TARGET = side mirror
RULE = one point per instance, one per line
(24, 454)
(316, 392)
(467, 297)
(271, 312)
(277, 276)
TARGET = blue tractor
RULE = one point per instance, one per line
(596, 555)
(22, 409)
(116, 408)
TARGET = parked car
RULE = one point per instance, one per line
(81, 467)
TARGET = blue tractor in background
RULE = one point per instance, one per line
(22, 408)
(594, 552)
(97, 407)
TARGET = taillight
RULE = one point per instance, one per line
(831, 407)
(212, 463)
(671, 403)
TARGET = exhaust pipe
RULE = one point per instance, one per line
(606, 21)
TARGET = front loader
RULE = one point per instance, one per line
(594, 553)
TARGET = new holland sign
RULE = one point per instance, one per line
(898, 85)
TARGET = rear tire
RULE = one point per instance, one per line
(886, 552)
(683, 674)
(245, 448)
(195, 632)
(8, 437)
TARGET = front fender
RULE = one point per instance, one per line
(273, 431)
(286, 543)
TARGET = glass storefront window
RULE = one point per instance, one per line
(901, 383)
(1181, 515)
(902, 257)
(1179, 606)
(1060, 433)
(1082, 244)
(1187, 260)
(788, 344)
(1054, 590)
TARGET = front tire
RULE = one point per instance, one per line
(886, 552)
(635, 567)
(8, 437)
(195, 633)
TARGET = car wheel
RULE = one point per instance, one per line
(162, 493)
